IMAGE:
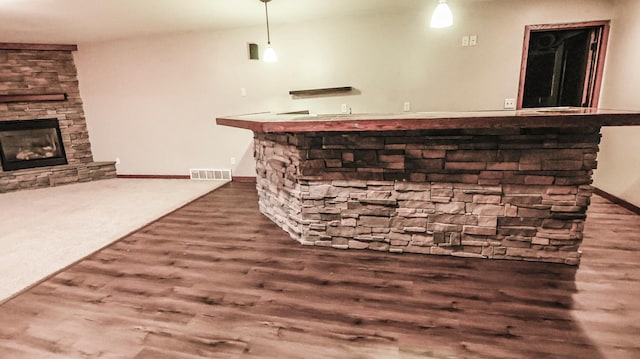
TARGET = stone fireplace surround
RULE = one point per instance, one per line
(32, 71)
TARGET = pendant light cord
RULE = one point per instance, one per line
(266, 12)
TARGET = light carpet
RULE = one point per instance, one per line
(45, 230)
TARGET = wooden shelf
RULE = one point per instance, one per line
(322, 91)
(41, 47)
(33, 98)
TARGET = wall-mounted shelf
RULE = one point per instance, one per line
(33, 98)
(322, 91)
(40, 47)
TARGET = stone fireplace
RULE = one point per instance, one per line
(44, 140)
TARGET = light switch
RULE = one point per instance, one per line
(473, 40)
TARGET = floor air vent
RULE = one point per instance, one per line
(209, 174)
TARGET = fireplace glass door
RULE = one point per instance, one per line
(32, 143)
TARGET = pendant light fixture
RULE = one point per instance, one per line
(442, 16)
(269, 54)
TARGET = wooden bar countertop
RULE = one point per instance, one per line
(558, 117)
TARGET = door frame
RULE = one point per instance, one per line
(528, 29)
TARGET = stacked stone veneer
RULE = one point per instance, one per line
(34, 72)
(509, 194)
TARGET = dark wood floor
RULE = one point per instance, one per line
(218, 280)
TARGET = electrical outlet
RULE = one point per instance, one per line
(407, 106)
(344, 108)
(509, 103)
(232, 160)
(465, 40)
(117, 160)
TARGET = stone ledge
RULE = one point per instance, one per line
(52, 176)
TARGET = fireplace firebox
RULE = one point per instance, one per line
(31, 143)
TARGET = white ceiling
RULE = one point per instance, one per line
(82, 21)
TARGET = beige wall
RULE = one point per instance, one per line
(619, 159)
(152, 102)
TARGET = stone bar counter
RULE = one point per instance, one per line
(501, 185)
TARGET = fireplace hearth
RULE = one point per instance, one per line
(31, 143)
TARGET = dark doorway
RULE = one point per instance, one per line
(562, 65)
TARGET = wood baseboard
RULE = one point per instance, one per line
(244, 179)
(154, 176)
(617, 200)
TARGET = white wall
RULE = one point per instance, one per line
(619, 158)
(152, 102)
